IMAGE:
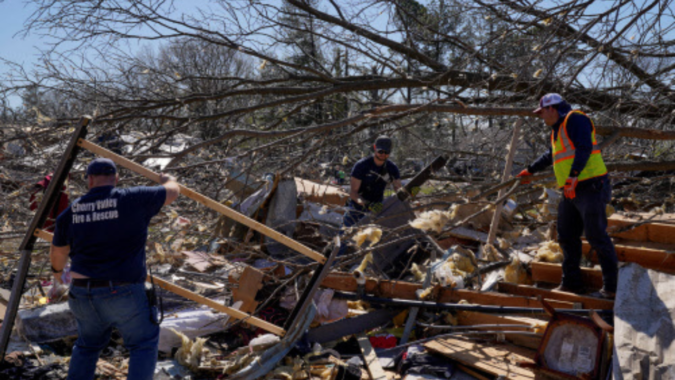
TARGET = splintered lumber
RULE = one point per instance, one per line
(649, 231)
(496, 217)
(372, 362)
(250, 282)
(552, 274)
(495, 359)
(206, 201)
(406, 290)
(468, 318)
(234, 313)
(531, 291)
(651, 258)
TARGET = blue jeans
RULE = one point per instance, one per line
(97, 311)
(586, 214)
(355, 212)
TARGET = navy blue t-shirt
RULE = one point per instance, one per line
(374, 179)
(107, 229)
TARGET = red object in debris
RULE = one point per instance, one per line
(383, 341)
(61, 205)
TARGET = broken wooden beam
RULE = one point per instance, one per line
(206, 201)
(531, 291)
(651, 258)
(234, 313)
(496, 217)
(406, 290)
(552, 274)
(647, 231)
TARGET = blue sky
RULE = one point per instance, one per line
(13, 13)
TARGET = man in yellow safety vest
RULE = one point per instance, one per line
(582, 175)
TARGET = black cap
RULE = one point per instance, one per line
(101, 166)
(383, 143)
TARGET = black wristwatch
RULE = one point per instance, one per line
(56, 271)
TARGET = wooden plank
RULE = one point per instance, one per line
(234, 313)
(372, 362)
(206, 201)
(651, 258)
(495, 359)
(652, 231)
(406, 290)
(492, 298)
(552, 274)
(496, 217)
(44, 235)
(467, 318)
(531, 291)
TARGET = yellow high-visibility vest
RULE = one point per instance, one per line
(563, 154)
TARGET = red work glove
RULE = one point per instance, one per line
(570, 187)
(524, 173)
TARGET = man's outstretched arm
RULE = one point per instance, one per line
(172, 187)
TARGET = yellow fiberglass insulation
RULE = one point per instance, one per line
(371, 234)
(503, 244)
(190, 353)
(462, 262)
(433, 220)
(490, 253)
(367, 259)
(418, 272)
(549, 252)
(516, 273)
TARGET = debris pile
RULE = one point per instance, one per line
(421, 292)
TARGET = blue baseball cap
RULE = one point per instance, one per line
(549, 100)
(383, 143)
(101, 166)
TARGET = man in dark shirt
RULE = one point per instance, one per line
(104, 232)
(582, 175)
(369, 178)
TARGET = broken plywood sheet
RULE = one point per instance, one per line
(644, 327)
(281, 210)
(495, 359)
(250, 282)
(319, 193)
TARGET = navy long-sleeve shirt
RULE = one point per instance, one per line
(579, 130)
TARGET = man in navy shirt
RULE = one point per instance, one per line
(582, 176)
(104, 232)
(369, 178)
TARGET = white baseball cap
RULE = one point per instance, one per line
(549, 100)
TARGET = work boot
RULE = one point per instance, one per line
(603, 293)
(567, 289)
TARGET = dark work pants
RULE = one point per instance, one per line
(586, 214)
